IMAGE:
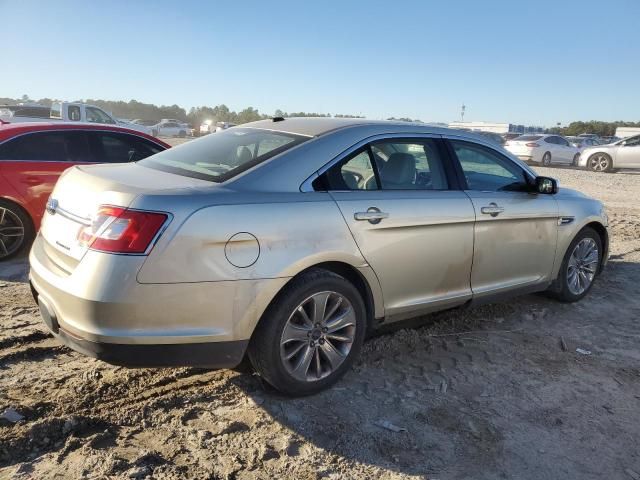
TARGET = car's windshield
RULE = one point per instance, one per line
(222, 155)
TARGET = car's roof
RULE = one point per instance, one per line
(9, 130)
(317, 126)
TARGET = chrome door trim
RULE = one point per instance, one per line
(307, 186)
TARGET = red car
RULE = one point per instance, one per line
(32, 157)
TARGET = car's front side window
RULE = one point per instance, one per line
(486, 170)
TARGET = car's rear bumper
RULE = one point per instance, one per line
(99, 309)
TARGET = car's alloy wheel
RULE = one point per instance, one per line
(582, 266)
(12, 232)
(546, 159)
(318, 336)
(579, 268)
(310, 334)
(600, 162)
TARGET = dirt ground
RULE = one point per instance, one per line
(477, 393)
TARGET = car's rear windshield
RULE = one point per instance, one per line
(222, 155)
(527, 138)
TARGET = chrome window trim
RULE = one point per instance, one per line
(307, 187)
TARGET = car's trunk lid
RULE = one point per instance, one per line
(82, 189)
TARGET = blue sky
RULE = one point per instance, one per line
(527, 62)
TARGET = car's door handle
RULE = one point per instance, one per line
(372, 215)
(492, 209)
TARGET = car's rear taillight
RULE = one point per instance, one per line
(532, 145)
(118, 230)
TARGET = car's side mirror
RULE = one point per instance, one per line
(623, 143)
(547, 185)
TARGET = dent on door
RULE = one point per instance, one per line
(515, 240)
(419, 244)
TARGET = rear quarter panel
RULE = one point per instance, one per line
(291, 236)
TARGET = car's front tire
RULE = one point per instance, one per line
(310, 335)
(579, 267)
(600, 162)
(16, 230)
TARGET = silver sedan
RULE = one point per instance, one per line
(289, 240)
(624, 153)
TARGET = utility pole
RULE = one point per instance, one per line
(464, 107)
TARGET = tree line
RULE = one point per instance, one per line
(195, 116)
(602, 129)
(221, 113)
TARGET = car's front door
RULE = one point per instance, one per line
(412, 226)
(515, 230)
(628, 155)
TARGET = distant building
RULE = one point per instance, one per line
(495, 127)
(624, 132)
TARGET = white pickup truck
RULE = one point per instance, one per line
(67, 112)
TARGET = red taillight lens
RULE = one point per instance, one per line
(532, 145)
(118, 230)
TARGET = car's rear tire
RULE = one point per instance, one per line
(580, 267)
(310, 335)
(600, 162)
(16, 230)
(546, 159)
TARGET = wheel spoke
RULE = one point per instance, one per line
(301, 369)
(11, 231)
(3, 212)
(316, 356)
(295, 351)
(305, 317)
(332, 310)
(319, 306)
(332, 354)
(339, 338)
(341, 321)
(294, 333)
(3, 248)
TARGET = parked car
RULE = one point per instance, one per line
(542, 149)
(32, 157)
(291, 239)
(172, 129)
(624, 153)
(67, 112)
(582, 142)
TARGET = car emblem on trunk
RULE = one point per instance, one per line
(52, 206)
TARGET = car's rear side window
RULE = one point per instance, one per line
(223, 155)
(61, 146)
(115, 147)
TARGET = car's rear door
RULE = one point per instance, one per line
(412, 225)
(515, 231)
(34, 161)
